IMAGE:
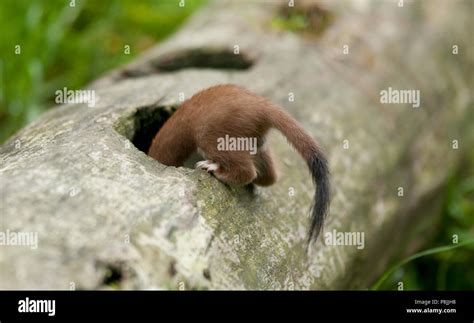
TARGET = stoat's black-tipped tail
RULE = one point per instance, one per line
(319, 170)
(315, 159)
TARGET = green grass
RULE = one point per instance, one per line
(433, 251)
(63, 46)
(447, 265)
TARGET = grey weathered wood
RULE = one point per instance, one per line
(98, 203)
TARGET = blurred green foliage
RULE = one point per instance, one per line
(64, 46)
(443, 269)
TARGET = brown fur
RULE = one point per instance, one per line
(231, 110)
(226, 110)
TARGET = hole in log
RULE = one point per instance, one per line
(194, 58)
(143, 126)
(207, 274)
(172, 269)
(113, 275)
(148, 121)
(199, 58)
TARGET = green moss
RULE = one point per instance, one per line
(311, 20)
(125, 125)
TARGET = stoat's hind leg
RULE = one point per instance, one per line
(266, 173)
(237, 174)
(233, 168)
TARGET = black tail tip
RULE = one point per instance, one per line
(320, 209)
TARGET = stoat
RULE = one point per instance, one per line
(233, 112)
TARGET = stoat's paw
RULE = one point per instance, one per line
(207, 165)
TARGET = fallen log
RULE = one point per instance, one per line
(108, 216)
